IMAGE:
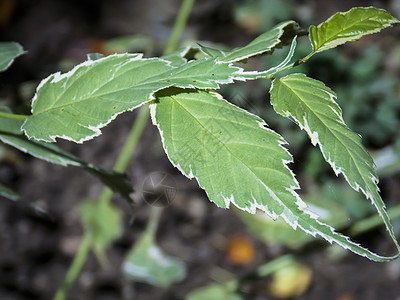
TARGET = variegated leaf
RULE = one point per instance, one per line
(313, 107)
(349, 26)
(280, 35)
(236, 159)
(8, 52)
(75, 105)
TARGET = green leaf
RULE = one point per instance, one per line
(8, 193)
(236, 159)
(216, 291)
(11, 134)
(313, 107)
(276, 232)
(8, 52)
(177, 58)
(277, 37)
(147, 263)
(75, 105)
(212, 52)
(387, 160)
(103, 224)
(251, 75)
(349, 26)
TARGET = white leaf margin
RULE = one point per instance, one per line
(238, 75)
(287, 215)
(339, 170)
(281, 30)
(21, 51)
(62, 161)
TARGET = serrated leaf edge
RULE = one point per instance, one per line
(326, 45)
(56, 77)
(266, 50)
(339, 170)
(287, 215)
(251, 75)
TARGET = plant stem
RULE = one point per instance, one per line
(74, 269)
(123, 161)
(374, 221)
(155, 214)
(295, 64)
(12, 116)
(127, 150)
(179, 26)
(104, 198)
(275, 264)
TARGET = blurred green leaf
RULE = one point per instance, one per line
(130, 43)
(8, 52)
(276, 232)
(323, 202)
(387, 161)
(225, 291)
(291, 281)
(8, 193)
(261, 15)
(11, 134)
(339, 196)
(103, 224)
(147, 263)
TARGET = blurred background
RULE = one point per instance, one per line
(203, 252)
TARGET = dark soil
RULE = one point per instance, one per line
(36, 249)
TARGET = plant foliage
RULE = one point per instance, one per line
(8, 52)
(233, 154)
(348, 27)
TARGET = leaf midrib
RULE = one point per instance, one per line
(232, 154)
(332, 38)
(141, 84)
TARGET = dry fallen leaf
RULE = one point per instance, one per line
(240, 250)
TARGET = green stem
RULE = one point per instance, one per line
(13, 116)
(132, 140)
(154, 219)
(373, 222)
(123, 161)
(179, 26)
(295, 64)
(265, 269)
(74, 269)
(303, 60)
(127, 150)
(272, 76)
(275, 264)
